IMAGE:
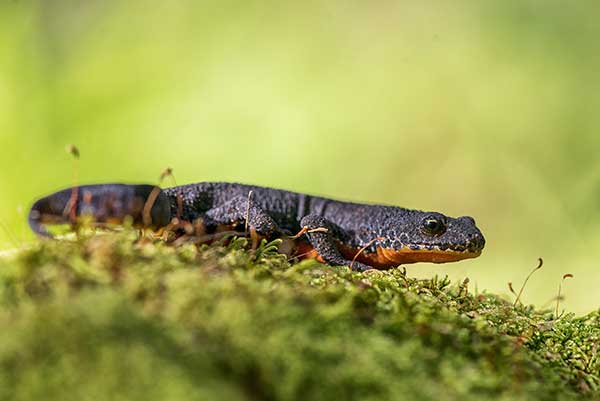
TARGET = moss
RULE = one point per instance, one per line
(113, 317)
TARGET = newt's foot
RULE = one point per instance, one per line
(321, 235)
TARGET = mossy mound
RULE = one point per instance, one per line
(114, 318)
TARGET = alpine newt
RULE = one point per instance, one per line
(361, 236)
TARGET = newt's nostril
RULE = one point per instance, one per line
(479, 240)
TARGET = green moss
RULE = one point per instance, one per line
(110, 317)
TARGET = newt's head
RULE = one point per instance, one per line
(424, 237)
(433, 237)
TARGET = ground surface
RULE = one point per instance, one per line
(112, 318)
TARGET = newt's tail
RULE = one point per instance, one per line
(146, 205)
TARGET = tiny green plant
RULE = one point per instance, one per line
(518, 296)
(72, 208)
(559, 296)
(167, 173)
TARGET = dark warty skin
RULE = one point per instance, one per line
(359, 235)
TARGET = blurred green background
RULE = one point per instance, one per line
(485, 108)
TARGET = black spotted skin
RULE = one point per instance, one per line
(353, 223)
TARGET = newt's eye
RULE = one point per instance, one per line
(433, 226)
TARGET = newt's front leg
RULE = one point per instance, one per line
(324, 244)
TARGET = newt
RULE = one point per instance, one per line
(362, 236)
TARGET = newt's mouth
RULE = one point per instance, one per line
(390, 257)
(412, 254)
